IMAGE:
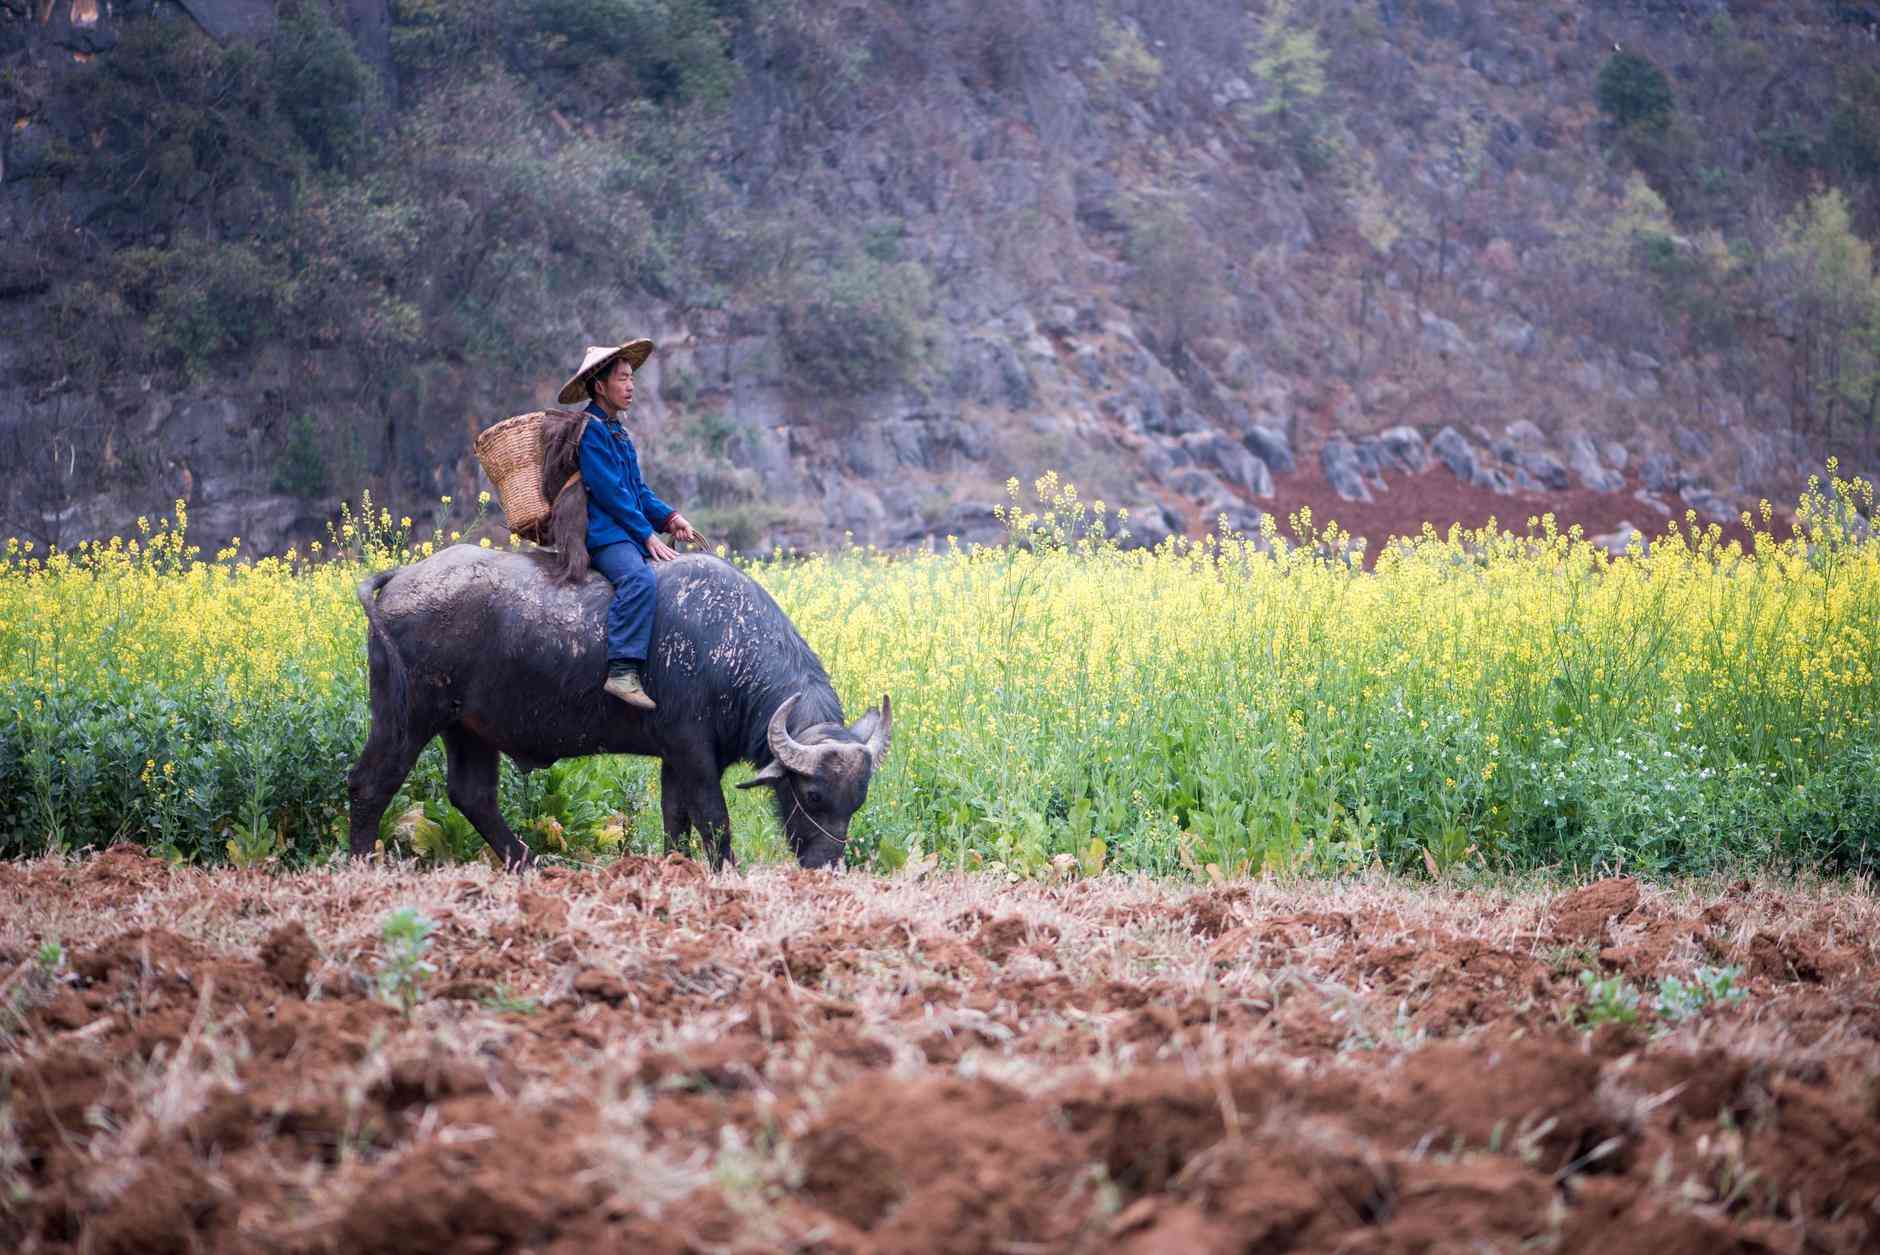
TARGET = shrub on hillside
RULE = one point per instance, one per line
(857, 327)
(202, 298)
(1632, 91)
(185, 128)
(323, 89)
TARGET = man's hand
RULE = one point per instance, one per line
(679, 529)
(658, 550)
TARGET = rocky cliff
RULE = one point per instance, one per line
(1390, 259)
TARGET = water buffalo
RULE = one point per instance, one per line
(490, 650)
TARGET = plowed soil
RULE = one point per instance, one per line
(647, 1057)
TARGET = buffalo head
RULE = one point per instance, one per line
(821, 777)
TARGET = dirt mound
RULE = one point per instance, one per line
(290, 955)
(1584, 914)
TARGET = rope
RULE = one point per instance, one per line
(797, 803)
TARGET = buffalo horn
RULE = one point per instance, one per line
(789, 751)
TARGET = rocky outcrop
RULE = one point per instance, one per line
(1271, 446)
(1467, 462)
(1583, 456)
(1535, 467)
(1344, 470)
(233, 19)
(1401, 448)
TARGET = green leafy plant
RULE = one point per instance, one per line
(1681, 1000)
(406, 937)
(504, 1002)
(50, 956)
(1632, 90)
(1611, 1000)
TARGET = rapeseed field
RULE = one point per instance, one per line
(1238, 706)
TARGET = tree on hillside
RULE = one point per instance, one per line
(1290, 63)
(1175, 279)
(1632, 91)
(1828, 313)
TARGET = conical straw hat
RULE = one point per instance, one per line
(598, 355)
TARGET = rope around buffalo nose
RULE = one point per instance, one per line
(796, 804)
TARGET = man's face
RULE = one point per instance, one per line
(615, 392)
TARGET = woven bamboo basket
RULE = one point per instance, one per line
(511, 454)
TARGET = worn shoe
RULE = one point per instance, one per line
(627, 687)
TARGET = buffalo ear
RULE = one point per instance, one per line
(771, 773)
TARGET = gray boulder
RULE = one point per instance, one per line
(1516, 335)
(1231, 460)
(1200, 484)
(1339, 460)
(1583, 458)
(1402, 448)
(233, 19)
(1524, 447)
(1690, 442)
(1650, 500)
(1466, 462)
(1525, 434)
(1148, 525)
(1619, 541)
(1711, 506)
(1453, 450)
(1445, 337)
(1242, 519)
(1271, 446)
(1659, 473)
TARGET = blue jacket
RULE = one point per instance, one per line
(620, 505)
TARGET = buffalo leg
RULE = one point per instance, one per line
(373, 782)
(688, 802)
(714, 824)
(472, 768)
(673, 796)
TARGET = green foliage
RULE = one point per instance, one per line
(1633, 91)
(591, 55)
(190, 131)
(1290, 63)
(1680, 1000)
(1128, 66)
(203, 300)
(578, 808)
(857, 326)
(1834, 310)
(1851, 149)
(301, 468)
(322, 88)
(675, 49)
(404, 938)
(1175, 272)
(739, 528)
(1611, 1000)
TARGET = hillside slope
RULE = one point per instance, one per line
(1389, 259)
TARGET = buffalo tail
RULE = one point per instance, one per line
(391, 688)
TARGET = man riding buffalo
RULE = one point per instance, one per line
(623, 513)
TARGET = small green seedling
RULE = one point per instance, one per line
(1608, 1001)
(1680, 1000)
(503, 1002)
(402, 971)
(50, 956)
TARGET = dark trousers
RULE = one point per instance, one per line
(630, 617)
